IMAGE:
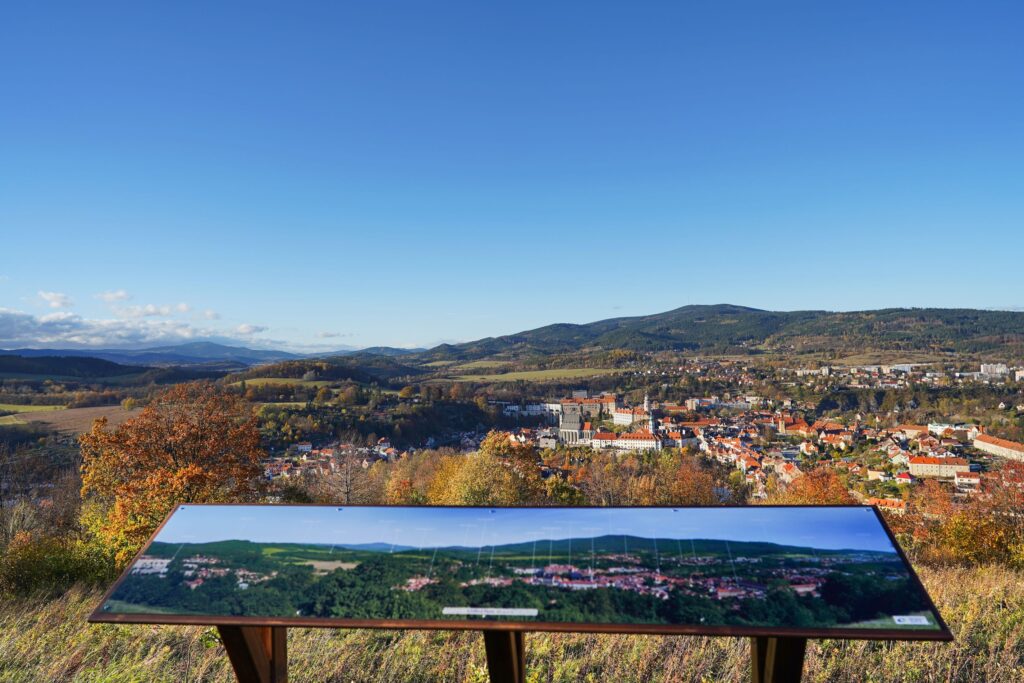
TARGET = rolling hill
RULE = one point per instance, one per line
(726, 328)
(63, 366)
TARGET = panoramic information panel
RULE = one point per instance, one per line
(825, 571)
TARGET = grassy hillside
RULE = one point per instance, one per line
(736, 329)
(49, 640)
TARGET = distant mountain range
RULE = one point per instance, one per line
(722, 328)
(726, 328)
(194, 353)
(542, 547)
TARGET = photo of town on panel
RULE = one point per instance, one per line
(785, 567)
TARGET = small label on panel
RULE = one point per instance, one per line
(911, 620)
(489, 611)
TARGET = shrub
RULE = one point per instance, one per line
(49, 566)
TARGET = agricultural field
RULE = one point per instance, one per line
(72, 420)
(481, 365)
(539, 375)
(18, 408)
(281, 381)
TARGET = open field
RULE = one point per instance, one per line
(263, 381)
(479, 365)
(73, 420)
(50, 640)
(18, 408)
(539, 375)
(440, 363)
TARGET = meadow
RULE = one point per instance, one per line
(278, 381)
(539, 375)
(72, 420)
(19, 408)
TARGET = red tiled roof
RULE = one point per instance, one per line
(925, 460)
(1003, 443)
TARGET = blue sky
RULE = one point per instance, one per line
(824, 528)
(350, 174)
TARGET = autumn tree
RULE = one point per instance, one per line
(483, 479)
(820, 486)
(522, 460)
(192, 443)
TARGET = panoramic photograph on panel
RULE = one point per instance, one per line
(785, 567)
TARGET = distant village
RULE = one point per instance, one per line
(759, 437)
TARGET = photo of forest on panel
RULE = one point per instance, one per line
(822, 568)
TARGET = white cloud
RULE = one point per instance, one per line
(147, 311)
(151, 310)
(114, 295)
(57, 316)
(248, 329)
(332, 335)
(64, 328)
(209, 314)
(56, 299)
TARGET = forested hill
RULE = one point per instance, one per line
(726, 328)
(63, 366)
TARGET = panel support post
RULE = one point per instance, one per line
(258, 654)
(777, 660)
(506, 658)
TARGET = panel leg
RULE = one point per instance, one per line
(777, 660)
(258, 654)
(506, 657)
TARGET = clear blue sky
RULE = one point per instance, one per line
(408, 172)
(824, 528)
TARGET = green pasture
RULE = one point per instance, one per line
(279, 381)
(19, 408)
(539, 375)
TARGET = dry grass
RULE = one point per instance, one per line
(78, 420)
(51, 641)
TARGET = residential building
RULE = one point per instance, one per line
(943, 468)
(1000, 447)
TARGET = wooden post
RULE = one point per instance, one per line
(258, 654)
(777, 660)
(506, 657)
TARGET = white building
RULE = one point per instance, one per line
(1000, 447)
(151, 565)
(945, 468)
(628, 416)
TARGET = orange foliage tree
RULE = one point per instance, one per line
(193, 443)
(984, 527)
